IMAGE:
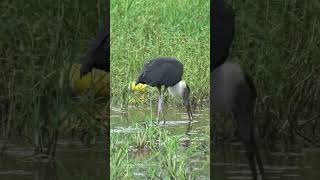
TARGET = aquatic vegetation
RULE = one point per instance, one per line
(120, 164)
(151, 152)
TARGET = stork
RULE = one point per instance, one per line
(232, 90)
(166, 72)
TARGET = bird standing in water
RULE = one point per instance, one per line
(166, 72)
(232, 90)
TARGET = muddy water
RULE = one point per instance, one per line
(177, 122)
(231, 163)
(74, 161)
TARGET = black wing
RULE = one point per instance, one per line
(223, 23)
(99, 51)
(161, 71)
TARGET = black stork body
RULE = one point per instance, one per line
(223, 23)
(99, 51)
(166, 72)
(232, 90)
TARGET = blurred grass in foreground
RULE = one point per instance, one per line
(39, 40)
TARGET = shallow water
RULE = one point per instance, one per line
(177, 123)
(230, 163)
(177, 120)
(73, 161)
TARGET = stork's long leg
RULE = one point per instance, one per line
(163, 106)
(189, 128)
(189, 113)
(251, 158)
(159, 104)
(246, 132)
(243, 113)
(253, 154)
(258, 158)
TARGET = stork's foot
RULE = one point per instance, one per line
(158, 120)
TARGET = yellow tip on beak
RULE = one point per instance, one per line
(138, 88)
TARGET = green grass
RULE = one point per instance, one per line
(142, 30)
(38, 42)
(154, 152)
(277, 42)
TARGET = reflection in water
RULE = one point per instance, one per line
(230, 163)
(176, 120)
(73, 161)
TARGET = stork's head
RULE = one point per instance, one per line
(182, 89)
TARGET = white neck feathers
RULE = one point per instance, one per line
(177, 89)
